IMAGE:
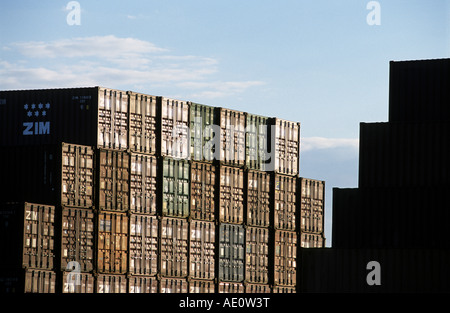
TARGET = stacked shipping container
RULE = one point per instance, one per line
(145, 204)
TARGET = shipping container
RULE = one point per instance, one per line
(231, 256)
(77, 175)
(258, 198)
(232, 137)
(77, 282)
(257, 142)
(312, 240)
(204, 128)
(93, 116)
(173, 285)
(174, 247)
(106, 283)
(231, 195)
(418, 90)
(404, 154)
(347, 218)
(285, 258)
(142, 284)
(329, 270)
(77, 239)
(143, 123)
(27, 236)
(202, 250)
(203, 191)
(312, 201)
(257, 255)
(413, 217)
(52, 174)
(285, 146)
(143, 184)
(283, 289)
(285, 202)
(257, 288)
(113, 180)
(230, 287)
(112, 243)
(174, 137)
(175, 187)
(40, 281)
(143, 246)
(201, 286)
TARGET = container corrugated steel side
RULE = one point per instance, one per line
(112, 119)
(203, 119)
(77, 170)
(201, 286)
(113, 180)
(232, 137)
(404, 154)
(418, 90)
(257, 288)
(257, 255)
(39, 236)
(283, 289)
(173, 117)
(142, 123)
(285, 258)
(175, 177)
(106, 283)
(230, 287)
(77, 283)
(112, 243)
(256, 142)
(143, 183)
(231, 195)
(143, 245)
(231, 258)
(40, 281)
(77, 238)
(258, 191)
(173, 285)
(312, 201)
(174, 247)
(203, 191)
(142, 284)
(285, 202)
(27, 236)
(311, 240)
(286, 145)
(202, 250)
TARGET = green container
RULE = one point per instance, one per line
(256, 142)
(201, 117)
(175, 187)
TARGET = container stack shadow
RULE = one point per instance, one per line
(111, 191)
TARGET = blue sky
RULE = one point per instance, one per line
(316, 62)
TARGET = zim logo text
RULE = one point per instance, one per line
(36, 128)
(33, 111)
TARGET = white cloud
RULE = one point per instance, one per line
(315, 143)
(111, 61)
